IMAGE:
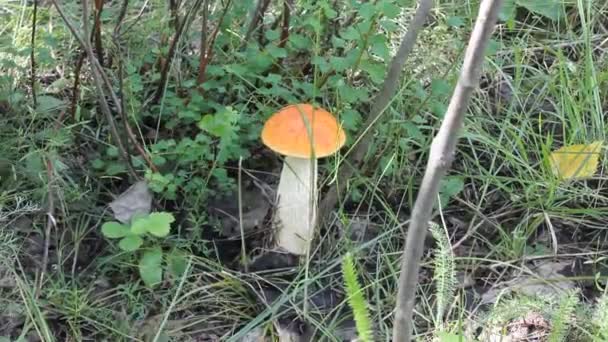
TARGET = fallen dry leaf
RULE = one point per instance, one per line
(576, 161)
(136, 200)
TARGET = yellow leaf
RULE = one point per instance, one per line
(576, 161)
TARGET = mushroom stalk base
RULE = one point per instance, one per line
(296, 209)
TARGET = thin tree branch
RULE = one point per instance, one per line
(32, 54)
(440, 159)
(287, 8)
(97, 76)
(166, 65)
(209, 52)
(381, 102)
(97, 30)
(50, 223)
(256, 18)
(203, 48)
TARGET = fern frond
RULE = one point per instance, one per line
(356, 300)
(600, 318)
(563, 317)
(444, 270)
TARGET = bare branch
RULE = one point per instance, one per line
(440, 158)
(381, 102)
(97, 77)
(258, 14)
(32, 54)
(166, 65)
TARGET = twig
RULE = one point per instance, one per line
(440, 158)
(287, 8)
(32, 54)
(121, 17)
(97, 76)
(381, 101)
(97, 30)
(203, 48)
(50, 223)
(256, 18)
(166, 65)
(75, 87)
(208, 54)
(174, 9)
(119, 102)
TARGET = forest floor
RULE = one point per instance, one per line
(515, 252)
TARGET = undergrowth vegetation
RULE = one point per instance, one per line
(151, 219)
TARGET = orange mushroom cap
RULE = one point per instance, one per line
(285, 132)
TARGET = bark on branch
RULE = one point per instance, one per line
(440, 159)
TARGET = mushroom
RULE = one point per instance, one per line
(287, 132)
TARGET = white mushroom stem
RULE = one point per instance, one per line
(296, 205)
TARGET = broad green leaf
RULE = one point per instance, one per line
(507, 11)
(552, 9)
(114, 230)
(130, 243)
(140, 225)
(576, 161)
(159, 224)
(150, 267)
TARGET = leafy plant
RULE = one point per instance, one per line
(133, 236)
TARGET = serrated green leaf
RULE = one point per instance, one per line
(114, 230)
(276, 52)
(130, 243)
(150, 267)
(159, 224)
(272, 34)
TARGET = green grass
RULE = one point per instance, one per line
(510, 210)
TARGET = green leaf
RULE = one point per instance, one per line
(455, 21)
(551, 9)
(375, 71)
(114, 230)
(47, 104)
(449, 188)
(449, 337)
(150, 267)
(159, 224)
(276, 52)
(272, 34)
(140, 225)
(507, 11)
(440, 87)
(130, 243)
(178, 262)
